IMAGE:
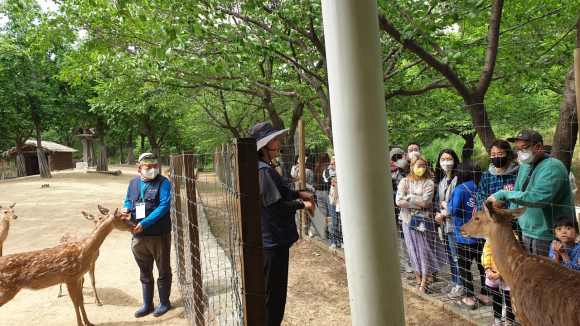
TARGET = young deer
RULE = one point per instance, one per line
(6, 213)
(538, 284)
(66, 263)
(77, 236)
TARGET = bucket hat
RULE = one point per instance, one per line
(264, 132)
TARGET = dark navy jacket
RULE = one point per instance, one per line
(151, 200)
(277, 229)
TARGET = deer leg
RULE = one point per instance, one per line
(59, 291)
(1, 244)
(76, 295)
(92, 275)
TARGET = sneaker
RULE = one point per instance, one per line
(342, 245)
(456, 292)
(333, 246)
(310, 234)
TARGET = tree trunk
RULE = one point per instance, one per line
(567, 126)
(467, 151)
(102, 156)
(42, 162)
(142, 149)
(130, 155)
(481, 123)
(122, 157)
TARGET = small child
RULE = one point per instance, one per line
(565, 250)
(494, 281)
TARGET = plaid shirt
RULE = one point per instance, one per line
(490, 184)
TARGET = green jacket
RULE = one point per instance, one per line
(547, 197)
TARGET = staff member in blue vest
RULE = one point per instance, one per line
(278, 219)
(148, 202)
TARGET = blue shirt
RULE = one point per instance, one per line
(573, 254)
(462, 206)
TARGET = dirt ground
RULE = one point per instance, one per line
(318, 291)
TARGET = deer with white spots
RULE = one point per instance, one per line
(66, 263)
(77, 236)
(6, 214)
(543, 292)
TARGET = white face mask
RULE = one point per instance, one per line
(447, 166)
(413, 154)
(401, 163)
(149, 174)
(525, 157)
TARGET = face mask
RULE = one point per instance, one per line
(525, 157)
(149, 174)
(401, 163)
(499, 162)
(413, 154)
(447, 166)
(419, 171)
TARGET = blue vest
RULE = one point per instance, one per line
(277, 230)
(151, 200)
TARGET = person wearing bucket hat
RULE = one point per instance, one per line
(148, 202)
(278, 209)
(542, 185)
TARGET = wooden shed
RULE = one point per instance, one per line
(59, 157)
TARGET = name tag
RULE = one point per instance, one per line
(140, 211)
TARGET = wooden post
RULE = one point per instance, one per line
(176, 175)
(250, 226)
(193, 228)
(577, 80)
(10, 168)
(302, 162)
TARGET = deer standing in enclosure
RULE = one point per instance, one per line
(66, 263)
(72, 237)
(6, 214)
(543, 292)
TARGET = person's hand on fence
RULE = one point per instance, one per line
(491, 199)
(439, 218)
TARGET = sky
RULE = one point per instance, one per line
(46, 5)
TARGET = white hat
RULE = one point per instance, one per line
(148, 158)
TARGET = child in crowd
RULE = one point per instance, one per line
(497, 286)
(566, 250)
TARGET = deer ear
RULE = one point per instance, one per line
(517, 212)
(499, 204)
(103, 210)
(116, 213)
(488, 208)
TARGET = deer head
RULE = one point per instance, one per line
(117, 220)
(7, 212)
(481, 223)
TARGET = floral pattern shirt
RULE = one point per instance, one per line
(413, 197)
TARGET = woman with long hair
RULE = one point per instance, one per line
(446, 172)
(414, 196)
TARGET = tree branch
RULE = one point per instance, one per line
(402, 92)
(492, 45)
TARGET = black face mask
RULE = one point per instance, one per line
(500, 162)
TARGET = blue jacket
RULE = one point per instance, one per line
(462, 206)
(157, 199)
(277, 229)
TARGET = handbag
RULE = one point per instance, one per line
(419, 223)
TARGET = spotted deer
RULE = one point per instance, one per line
(77, 236)
(66, 263)
(6, 214)
(543, 292)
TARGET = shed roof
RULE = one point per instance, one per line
(48, 146)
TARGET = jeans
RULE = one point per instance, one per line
(336, 233)
(452, 255)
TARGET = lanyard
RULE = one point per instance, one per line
(143, 189)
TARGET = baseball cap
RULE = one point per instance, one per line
(527, 134)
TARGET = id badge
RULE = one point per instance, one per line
(140, 211)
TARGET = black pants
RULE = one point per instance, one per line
(149, 249)
(497, 298)
(536, 247)
(276, 282)
(465, 254)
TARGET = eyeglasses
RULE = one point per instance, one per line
(525, 148)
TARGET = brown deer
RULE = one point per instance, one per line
(66, 263)
(6, 214)
(543, 292)
(77, 236)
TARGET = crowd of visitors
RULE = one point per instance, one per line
(433, 200)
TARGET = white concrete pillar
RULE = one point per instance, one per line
(363, 170)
